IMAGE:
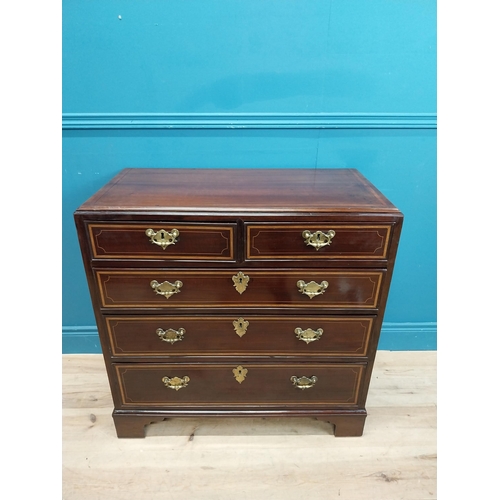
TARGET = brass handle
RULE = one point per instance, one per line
(171, 336)
(175, 383)
(303, 382)
(166, 289)
(308, 335)
(312, 288)
(162, 237)
(240, 326)
(240, 281)
(318, 239)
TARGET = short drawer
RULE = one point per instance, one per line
(235, 335)
(172, 385)
(172, 241)
(177, 288)
(332, 241)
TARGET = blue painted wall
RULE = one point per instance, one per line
(257, 84)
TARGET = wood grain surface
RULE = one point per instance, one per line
(228, 190)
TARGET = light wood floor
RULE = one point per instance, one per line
(255, 459)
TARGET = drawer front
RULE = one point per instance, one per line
(170, 241)
(178, 288)
(317, 241)
(235, 335)
(236, 384)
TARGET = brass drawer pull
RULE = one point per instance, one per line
(303, 382)
(162, 237)
(308, 335)
(175, 383)
(318, 239)
(166, 289)
(240, 281)
(312, 288)
(240, 326)
(171, 336)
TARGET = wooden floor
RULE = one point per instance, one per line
(255, 459)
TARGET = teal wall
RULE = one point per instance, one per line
(256, 84)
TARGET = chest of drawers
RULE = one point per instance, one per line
(239, 292)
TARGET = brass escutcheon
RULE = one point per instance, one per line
(171, 336)
(240, 373)
(166, 289)
(312, 289)
(240, 326)
(318, 239)
(240, 281)
(175, 383)
(308, 335)
(303, 382)
(162, 237)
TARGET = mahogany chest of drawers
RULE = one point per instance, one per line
(239, 292)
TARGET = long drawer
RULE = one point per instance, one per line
(171, 385)
(235, 336)
(177, 288)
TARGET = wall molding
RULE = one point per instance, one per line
(172, 121)
(394, 337)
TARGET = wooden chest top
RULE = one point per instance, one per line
(240, 190)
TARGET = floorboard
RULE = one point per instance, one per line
(254, 459)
